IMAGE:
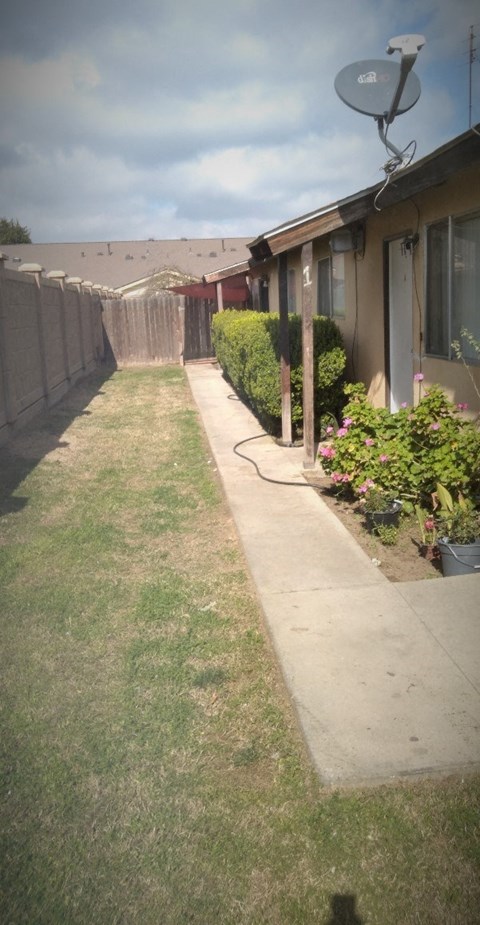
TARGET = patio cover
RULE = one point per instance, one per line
(234, 289)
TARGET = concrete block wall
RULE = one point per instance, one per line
(50, 336)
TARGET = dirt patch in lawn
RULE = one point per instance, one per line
(401, 562)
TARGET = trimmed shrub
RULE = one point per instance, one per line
(247, 348)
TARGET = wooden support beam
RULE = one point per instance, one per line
(284, 350)
(219, 289)
(307, 352)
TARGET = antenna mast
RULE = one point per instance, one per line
(472, 57)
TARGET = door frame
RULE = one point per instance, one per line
(404, 238)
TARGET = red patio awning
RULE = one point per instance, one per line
(234, 289)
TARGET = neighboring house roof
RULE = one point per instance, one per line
(119, 264)
(458, 154)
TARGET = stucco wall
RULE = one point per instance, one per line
(49, 337)
(363, 327)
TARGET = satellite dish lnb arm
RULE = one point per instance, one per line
(408, 46)
(388, 144)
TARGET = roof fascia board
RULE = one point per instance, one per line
(430, 171)
(225, 272)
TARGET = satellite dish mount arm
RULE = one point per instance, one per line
(408, 46)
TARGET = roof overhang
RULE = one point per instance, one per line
(432, 170)
(235, 274)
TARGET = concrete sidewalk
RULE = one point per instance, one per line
(385, 677)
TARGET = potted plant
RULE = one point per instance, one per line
(428, 548)
(380, 508)
(460, 545)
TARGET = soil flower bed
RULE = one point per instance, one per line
(401, 562)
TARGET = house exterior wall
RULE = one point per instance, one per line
(458, 196)
(363, 326)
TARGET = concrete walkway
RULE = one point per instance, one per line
(385, 677)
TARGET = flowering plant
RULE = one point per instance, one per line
(459, 518)
(428, 526)
(376, 500)
(404, 453)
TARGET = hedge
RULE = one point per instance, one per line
(247, 348)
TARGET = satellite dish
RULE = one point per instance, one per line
(369, 87)
(383, 89)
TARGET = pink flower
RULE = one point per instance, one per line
(329, 429)
(369, 441)
(430, 524)
(342, 431)
(404, 404)
(384, 457)
(340, 477)
(462, 406)
(368, 483)
(435, 426)
(347, 421)
(418, 377)
(328, 452)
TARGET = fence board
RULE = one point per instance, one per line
(198, 328)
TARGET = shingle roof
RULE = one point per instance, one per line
(117, 263)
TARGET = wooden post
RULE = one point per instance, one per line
(219, 295)
(307, 351)
(284, 350)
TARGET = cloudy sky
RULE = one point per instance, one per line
(205, 118)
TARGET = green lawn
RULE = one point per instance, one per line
(152, 772)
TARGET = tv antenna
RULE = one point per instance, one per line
(384, 89)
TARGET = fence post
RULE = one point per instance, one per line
(97, 292)
(35, 270)
(76, 282)
(60, 276)
(5, 354)
(181, 332)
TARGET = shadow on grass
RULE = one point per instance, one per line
(343, 910)
(23, 452)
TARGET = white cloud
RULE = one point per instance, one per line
(175, 117)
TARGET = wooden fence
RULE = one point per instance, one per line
(165, 328)
(53, 332)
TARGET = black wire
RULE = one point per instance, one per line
(265, 478)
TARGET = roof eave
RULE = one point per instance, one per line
(430, 171)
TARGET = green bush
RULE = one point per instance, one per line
(247, 347)
(407, 452)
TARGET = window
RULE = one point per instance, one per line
(324, 289)
(453, 284)
(331, 286)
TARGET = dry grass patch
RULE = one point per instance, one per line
(152, 769)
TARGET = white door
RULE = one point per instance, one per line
(400, 337)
